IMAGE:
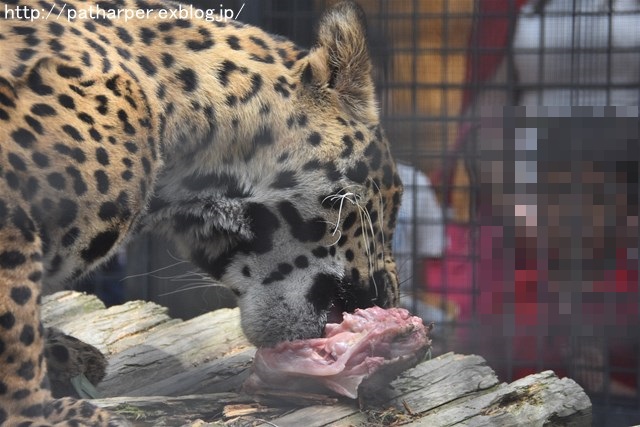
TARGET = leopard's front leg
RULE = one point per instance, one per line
(24, 389)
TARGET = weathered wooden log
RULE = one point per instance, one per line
(203, 362)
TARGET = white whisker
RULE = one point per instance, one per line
(352, 195)
(192, 286)
(367, 227)
(151, 273)
(381, 213)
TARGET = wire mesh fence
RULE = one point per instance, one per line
(516, 126)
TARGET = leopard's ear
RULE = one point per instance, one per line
(340, 60)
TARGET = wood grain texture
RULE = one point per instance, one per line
(170, 372)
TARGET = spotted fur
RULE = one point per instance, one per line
(265, 163)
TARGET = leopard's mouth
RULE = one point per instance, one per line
(348, 298)
(336, 311)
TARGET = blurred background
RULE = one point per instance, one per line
(516, 125)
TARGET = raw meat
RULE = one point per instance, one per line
(369, 346)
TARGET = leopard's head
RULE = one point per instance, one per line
(299, 224)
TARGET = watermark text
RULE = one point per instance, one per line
(96, 12)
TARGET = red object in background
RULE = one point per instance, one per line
(488, 42)
(452, 275)
(533, 309)
(491, 33)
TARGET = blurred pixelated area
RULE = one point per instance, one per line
(516, 126)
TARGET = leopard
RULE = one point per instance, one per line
(265, 163)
